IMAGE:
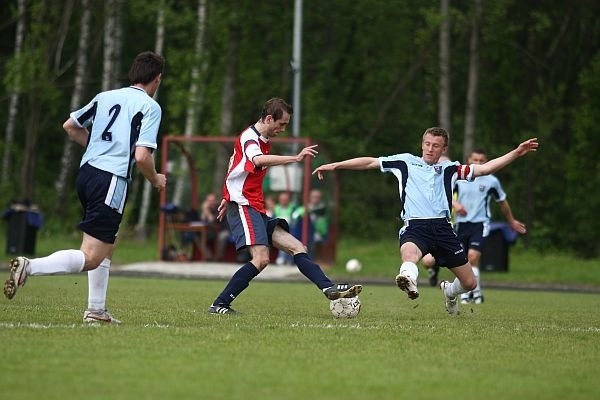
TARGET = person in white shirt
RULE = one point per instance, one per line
(124, 126)
(425, 187)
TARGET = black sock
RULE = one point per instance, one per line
(312, 271)
(238, 282)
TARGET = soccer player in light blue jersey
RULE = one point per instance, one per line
(472, 216)
(425, 187)
(124, 126)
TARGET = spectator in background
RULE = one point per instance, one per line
(284, 209)
(218, 234)
(318, 221)
(270, 206)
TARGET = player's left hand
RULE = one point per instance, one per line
(222, 210)
(518, 226)
(527, 146)
(309, 151)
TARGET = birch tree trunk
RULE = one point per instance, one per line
(227, 102)
(195, 97)
(473, 82)
(44, 47)
(13, 107)
(110, 44)
(444, 110)
(141, 226)
(66, 161)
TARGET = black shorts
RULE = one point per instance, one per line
(103, 197)
(249, 227)
(471, 235)
(435, 236)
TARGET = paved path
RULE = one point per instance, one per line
(224, 271)
(208, 270)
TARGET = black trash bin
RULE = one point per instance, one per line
(494, 256)
(23, 224)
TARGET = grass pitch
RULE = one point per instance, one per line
(286, 344)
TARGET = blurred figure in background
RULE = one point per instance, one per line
(284, 208)
(218, 234)
(472, 217)
(318, 220)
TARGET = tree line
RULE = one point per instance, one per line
(375, 75)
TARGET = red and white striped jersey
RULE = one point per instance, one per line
(244, 181)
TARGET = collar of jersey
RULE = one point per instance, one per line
(261, 137)
(138, 88)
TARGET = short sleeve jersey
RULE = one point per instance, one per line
(425, 190)
(475, 196)
(244, 180)
(121, 119)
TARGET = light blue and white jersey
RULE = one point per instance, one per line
(475, 196)
(121, 119)
(425, 190)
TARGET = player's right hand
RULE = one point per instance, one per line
(310, 151)
(160, 182)
(222, 210)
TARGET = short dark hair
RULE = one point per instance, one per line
(275, 107)
(146, 67)
(437, 131)
(479, 150)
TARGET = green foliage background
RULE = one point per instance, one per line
(370, 84)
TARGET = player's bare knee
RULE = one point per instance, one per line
(92, 262)
(260, 262)
(469, 284)
(297, 248)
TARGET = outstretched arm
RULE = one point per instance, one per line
(353, 163)
(494, 165)
(269, 160)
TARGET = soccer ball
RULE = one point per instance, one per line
(345, 307)
(353, 265)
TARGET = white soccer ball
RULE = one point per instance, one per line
(353, 265)
(345, 308)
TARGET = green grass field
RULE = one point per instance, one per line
(286, 345)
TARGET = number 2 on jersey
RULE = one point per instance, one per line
(114, 111)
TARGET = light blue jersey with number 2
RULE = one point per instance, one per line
(121, 119)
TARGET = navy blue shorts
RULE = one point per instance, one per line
(471, 235)
(435, 236)
(249, 227)
(103, 196)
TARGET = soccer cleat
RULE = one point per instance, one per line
(18, 276)
(99, 316)
(450, 302)
(465, 298)
(433, 276)
(478, 299)
(218, 309)
(342, 290)
(408, 285)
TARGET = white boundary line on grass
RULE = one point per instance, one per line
(35, 325)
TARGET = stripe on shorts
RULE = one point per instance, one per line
(247, 224)
(115, 197)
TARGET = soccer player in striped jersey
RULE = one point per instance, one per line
(425, 185)
(244, 205)
(124, 126)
